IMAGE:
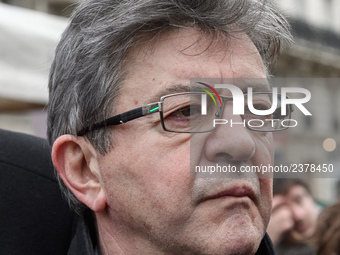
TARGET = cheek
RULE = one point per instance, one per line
(168, 178)
(266, 185)
(197, 148)
(148, 175)
(264, 153)
(265, 156)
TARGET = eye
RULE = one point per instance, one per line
(260, 107)
(277, 114)
(183, 113)
(183, 118)
(186, 111)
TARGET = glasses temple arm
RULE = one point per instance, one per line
(122, 118)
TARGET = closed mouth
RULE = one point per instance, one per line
(237, 191)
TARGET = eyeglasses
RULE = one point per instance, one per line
(184, 113)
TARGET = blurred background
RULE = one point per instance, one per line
(30, 30)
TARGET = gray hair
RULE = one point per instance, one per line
(90, 60)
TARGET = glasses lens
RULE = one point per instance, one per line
(196, 112)
(264, 113)
(189, 112)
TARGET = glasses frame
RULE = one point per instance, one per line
(158, 107)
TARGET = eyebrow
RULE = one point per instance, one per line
(172, 89)
(179, 88)
(257, 84)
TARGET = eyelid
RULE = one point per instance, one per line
(176, 108)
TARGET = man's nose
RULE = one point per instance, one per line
(231, 142)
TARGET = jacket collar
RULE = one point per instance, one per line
(83, 241)
(266, 247)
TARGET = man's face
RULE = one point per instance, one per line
(304, 212)
(151, 198)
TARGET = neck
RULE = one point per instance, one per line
(115, 238)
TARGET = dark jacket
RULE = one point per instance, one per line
(34, 217)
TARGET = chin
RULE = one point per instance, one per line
(244, 245)
(235, 247)
(240, 239)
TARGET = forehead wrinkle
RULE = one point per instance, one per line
(256, 71)
(171, 89)
(211, 42)
(258, 84)
(142, 52)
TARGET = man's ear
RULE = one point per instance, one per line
(76, 162)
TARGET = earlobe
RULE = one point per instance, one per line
(75, 159)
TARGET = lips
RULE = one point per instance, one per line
(238, 191)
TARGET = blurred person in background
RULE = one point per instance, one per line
(327, 233)
(294, 217)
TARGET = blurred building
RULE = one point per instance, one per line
(315, 54)
(28, 37)
(56, 7)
